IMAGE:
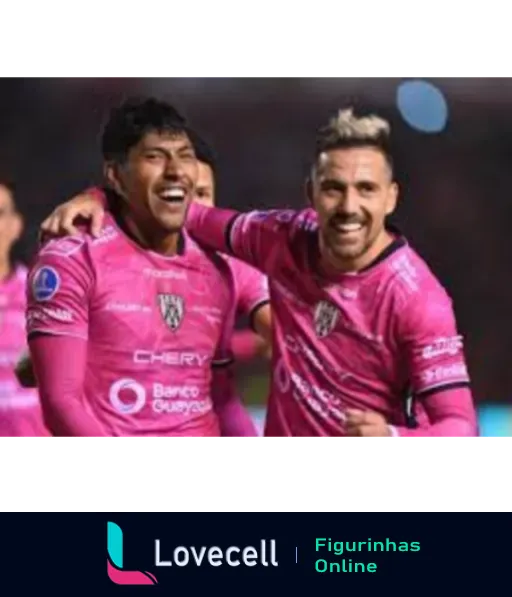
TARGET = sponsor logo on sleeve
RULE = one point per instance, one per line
(443, 346)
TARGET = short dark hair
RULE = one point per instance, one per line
(134, 118)
(346, 130)
(204, 151)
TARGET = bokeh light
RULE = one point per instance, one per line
(423, 106)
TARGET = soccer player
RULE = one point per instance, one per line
(365, 338)
(251, 287)
(124, 328)
(20, 409)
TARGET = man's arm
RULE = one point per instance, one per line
(262, 321)
(253, 237)
(247, 345)
(434, 353)
(451, 414)
(60, 363)
(253, 301)
(253, 297)
(58, 291)
(234, 419)
(88, 206)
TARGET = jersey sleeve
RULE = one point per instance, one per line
(59, 288)
(451, 413)
(253, 237)
(60, 365)
(252, 288)
(223, 353)
(432, 346)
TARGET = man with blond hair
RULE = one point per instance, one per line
(365, 338)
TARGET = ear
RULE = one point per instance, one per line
(392, 199)
(308, 187)
(17, 227)
(113, 176)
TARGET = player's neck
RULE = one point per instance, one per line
(162, 242)
(355, 266)
(141, 232)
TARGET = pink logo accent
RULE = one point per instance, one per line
(129, 577)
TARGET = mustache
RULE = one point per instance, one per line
(339, 219)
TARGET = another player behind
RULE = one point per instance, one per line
(124, 328)
(365, 340)
(251, 286)
(20, 410)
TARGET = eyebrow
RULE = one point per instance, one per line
(333, 183)
(182, 149)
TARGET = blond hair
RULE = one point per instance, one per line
(346, 130)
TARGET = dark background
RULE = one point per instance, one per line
(66, 554)
(455, 203)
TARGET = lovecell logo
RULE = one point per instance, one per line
(115, 567)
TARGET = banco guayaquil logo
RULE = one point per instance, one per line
(167, 556)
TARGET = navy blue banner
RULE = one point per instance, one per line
(238, 554)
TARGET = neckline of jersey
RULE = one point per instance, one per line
(398, 243)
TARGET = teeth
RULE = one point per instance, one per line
(173, 194)
(349, 227)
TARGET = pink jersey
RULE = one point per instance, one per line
(382, 340)
(154, 327)
(20, 411)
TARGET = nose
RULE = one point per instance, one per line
(349, 202)
(173, 168)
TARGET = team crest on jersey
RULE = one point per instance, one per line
(172, 309)
(326, 318)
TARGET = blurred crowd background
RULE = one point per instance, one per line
(453, 148)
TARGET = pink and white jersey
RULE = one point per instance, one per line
(20, 410)
(154, 327)
(381, 340)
